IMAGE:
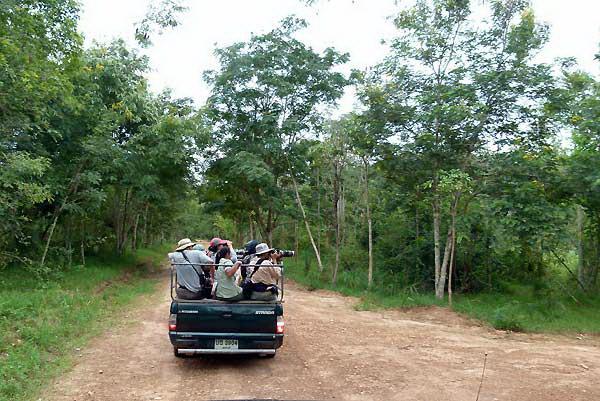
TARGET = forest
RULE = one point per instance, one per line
(466, 167)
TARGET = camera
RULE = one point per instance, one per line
(285, 253)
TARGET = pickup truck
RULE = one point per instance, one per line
(210, 326)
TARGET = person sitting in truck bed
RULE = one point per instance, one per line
(225, 276)
(216, 244)
(265, 276)
(192, 281)
(250, 258)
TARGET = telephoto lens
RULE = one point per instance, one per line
(285, 253)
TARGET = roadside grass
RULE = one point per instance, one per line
(43, 320)
(350, 283)
(530, 312)
(518, 308)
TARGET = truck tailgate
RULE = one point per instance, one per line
(220, 317)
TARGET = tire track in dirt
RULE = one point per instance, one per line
(333, 352)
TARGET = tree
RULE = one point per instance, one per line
(453, 90)
(365, 131)
(265, 99)
(578, 105)
(159, 16)
(88, 152)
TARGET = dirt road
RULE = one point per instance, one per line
(332, 352)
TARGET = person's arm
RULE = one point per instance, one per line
(205, 260)
(276, 257)
(230, 271)
(233, 254)
(276, 272)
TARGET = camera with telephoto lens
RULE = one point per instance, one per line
(285, 253)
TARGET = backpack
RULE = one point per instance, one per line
(247, 284)
(204, 281)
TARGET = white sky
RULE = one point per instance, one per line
(179, 56)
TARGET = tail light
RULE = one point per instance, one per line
(280, 325)
(172, 322)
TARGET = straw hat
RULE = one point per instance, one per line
(262, 248)
(184, 243)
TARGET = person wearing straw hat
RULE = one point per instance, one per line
(193, 282)
(265, 276)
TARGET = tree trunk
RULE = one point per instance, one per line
(369, 223)
(336, 218)
(82, 245)
(251, 227)
(69, 243)
(448, 249)
(441, 285)
(123, 227)
(337, 242)
(72, 189)
(581, 274)
(270, 227)
(312, 241)
(135, 230)
(436, 241)
(145, 228)
(594, 267)
(452, 251)
(50, 233)
(296, 239)
(319, 214)
(337, 255)
(417, 230)
(117, 218)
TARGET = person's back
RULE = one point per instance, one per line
(189, 267)
(265, 276)
(267, 273)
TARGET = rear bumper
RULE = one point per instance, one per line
(193, 351)
(204, 343)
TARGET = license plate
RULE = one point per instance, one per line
(226, 344)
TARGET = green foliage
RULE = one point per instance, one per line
(159, 16)
(21, 188)
(264, 103)
(90, 157)
(43, 321)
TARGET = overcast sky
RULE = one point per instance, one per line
(179, 57)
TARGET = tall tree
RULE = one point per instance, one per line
(265, 99)
(578, 104)
(455, 89)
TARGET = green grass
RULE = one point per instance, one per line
(519, 308)
(43, 320)
(527, 311)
